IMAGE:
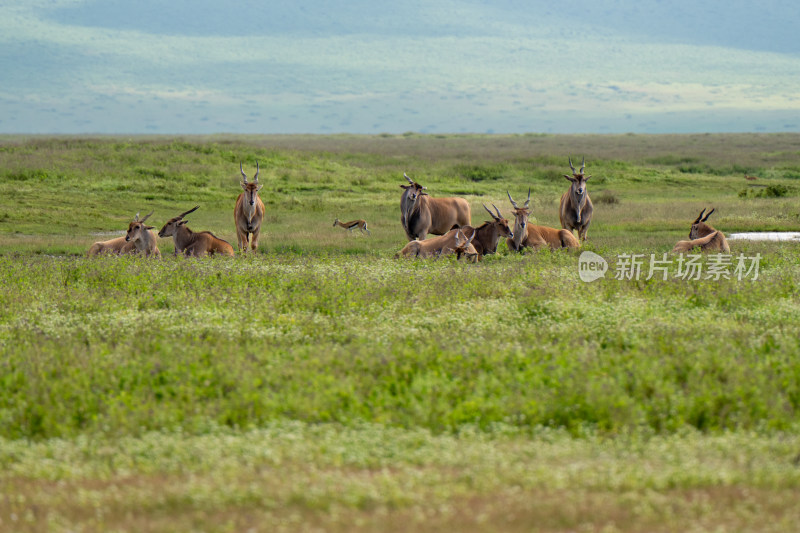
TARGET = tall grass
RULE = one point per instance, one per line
(320, 384)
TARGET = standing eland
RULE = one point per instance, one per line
(249, 212)
(576, 208)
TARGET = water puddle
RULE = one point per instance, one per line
(766, 236)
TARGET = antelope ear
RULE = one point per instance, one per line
(149, 227)
(182, 222)
(570, 178)
(259, 187)
(406, 186)
(586, 177)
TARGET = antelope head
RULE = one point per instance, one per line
(136, 228)
(250, 188)
(699, 227)
(335, 222)
(414, 189)
(500, 223)
(521, 215)
(171, 227)
(462, 244)
(577, 189)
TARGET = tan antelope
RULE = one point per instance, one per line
(190, 243)
(249, 212)
(576, 208)
(421, 214)
(486, 236)
(536, 236)
(750, 178)
(704, 237)
(118, 246)
(437, 246)
(353, 224)
(142, 237)
(114, 246)
(465, 248)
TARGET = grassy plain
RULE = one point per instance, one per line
(323, 385)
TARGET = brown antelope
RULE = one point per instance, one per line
(703, 236)
(576, 208)
(193, 244)
(486, 236)
(249, 212)
(437, 246)
(421, 214)
(536, 236)
(353, 224)
(142, 238)
(750, 178)
(465, 247)
(119, 245)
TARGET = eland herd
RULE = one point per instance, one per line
(449, 219)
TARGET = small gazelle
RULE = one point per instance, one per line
(353, 224)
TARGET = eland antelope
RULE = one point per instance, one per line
(192, 243)
(142, 237)
(536, 236)
(437, 246)
(575, 211)
(421, 214)
(118, 246)
(487, 235)
(249, 212)
(703, 236)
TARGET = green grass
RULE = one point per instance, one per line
(323, 384)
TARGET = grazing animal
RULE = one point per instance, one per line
(249, 212)
(750, 178)
(192, 243)
(576, 208)
(421, 214)
(486, 236)
(435, 246)
(536, 236)
(703, 236)
(353, 224)
(142, 237)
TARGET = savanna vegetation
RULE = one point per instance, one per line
(321, 385)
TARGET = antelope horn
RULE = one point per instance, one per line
(255, 178)
(187, 212)
(709, 213)
(529, 198)
(489, 211)
(583, 164)
(570, 165)
(136, 218)
(244, 176)
(700, 216)
(512, 200)
(498, 211)
(409, 179)
(145, 217)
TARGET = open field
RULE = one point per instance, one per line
(322, 385)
